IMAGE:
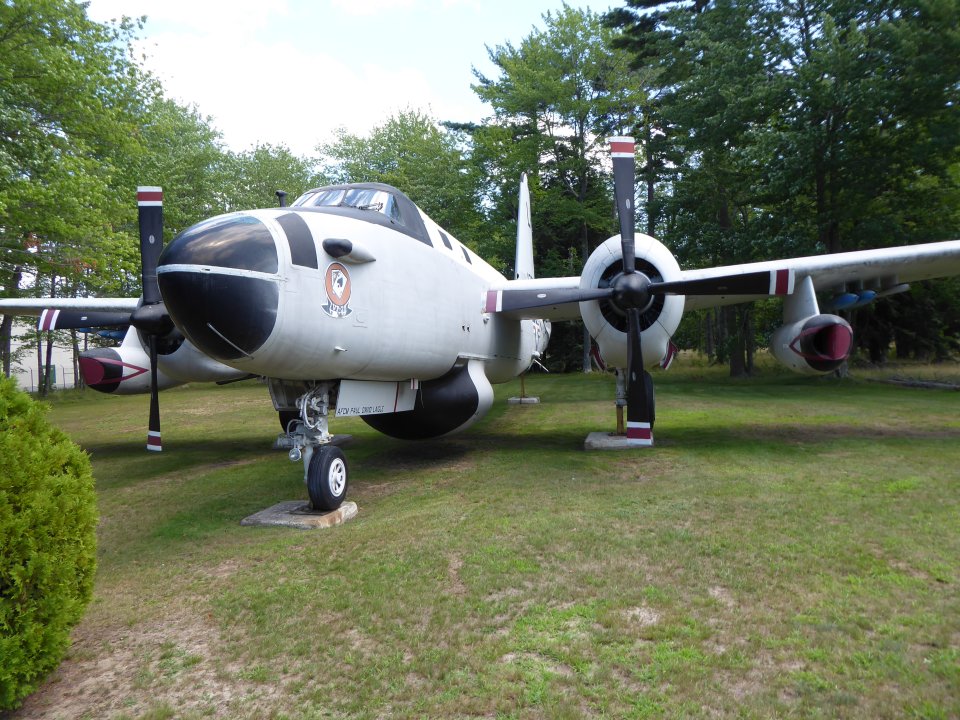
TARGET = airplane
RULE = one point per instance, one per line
(353, 302)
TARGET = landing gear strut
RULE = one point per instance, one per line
(308, 438)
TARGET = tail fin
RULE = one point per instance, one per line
(523, 265)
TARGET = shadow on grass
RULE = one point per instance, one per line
(752, 435)
(119, 464)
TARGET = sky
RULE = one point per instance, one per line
(290, 72)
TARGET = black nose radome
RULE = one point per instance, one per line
(215, 283)
(240, 242)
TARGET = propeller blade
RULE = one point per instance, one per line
(150, 207)
(639, 422)
(71, 319)
(153, 434)
(624, 166)
(151, 318)
(516, 299)
(765, 282)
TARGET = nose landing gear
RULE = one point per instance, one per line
(325, 470)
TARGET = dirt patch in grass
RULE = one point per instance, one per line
(643, 616)
(175, 662)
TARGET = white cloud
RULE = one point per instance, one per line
(281, 94)
(370, 7)
(292, 71)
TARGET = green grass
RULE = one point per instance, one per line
(788, 549)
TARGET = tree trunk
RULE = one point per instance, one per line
(40, 382)
(75, 343)
(709, 343)
(6, 333)
(48, 373)
(738, 366)
(6, 327)
(650, 177)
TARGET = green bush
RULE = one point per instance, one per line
(47, 543)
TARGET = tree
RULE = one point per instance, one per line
(558, 96)
(48, 523)
(415, 154)
(802, 127)
(67, 104)
(252, 178)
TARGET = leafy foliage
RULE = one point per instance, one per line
(252, 178)
(802, 128)
(559, 94)
(47, 542)
(414, 153)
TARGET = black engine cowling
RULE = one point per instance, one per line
(444, 406)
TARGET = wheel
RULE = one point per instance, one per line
(327, 478)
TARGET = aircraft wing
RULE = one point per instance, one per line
(65, 313)
(36, 306)
(882, 269)
(885, 269)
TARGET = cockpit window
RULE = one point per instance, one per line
(370, 199)
(375, 203)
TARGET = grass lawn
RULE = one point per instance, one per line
(790, 548)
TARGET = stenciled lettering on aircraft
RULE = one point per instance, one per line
(337, 284)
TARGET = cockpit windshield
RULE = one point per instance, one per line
(370, 199)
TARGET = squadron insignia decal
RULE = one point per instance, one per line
(337, 284)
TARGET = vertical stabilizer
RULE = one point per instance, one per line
(524, 262)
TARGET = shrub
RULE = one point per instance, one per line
(47, 543)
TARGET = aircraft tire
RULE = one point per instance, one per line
(327, 478)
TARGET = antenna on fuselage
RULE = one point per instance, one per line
(282, 197)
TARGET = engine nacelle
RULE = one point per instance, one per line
(608, 324)
(443, 406)
(813, 346)
(125, 370)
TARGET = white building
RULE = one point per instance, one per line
(26, 370)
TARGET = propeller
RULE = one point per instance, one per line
(631, 290)
(151, 318)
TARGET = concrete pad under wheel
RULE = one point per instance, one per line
(298, 514)
(523, 401)
(609, 441)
